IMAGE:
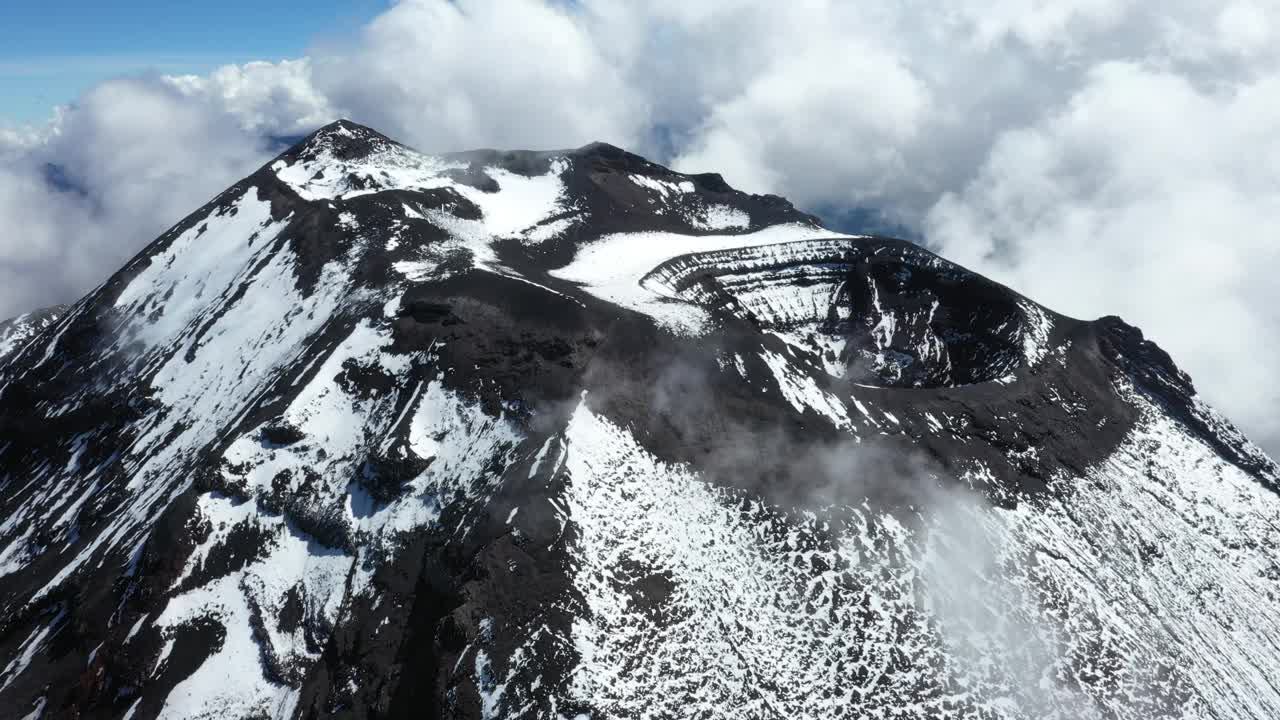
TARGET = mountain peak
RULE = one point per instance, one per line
(616, 188)
(571, 434)
(17, 331)
(343, 139)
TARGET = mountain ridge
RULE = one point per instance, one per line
(383, 434)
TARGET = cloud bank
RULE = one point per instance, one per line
(1101, 156)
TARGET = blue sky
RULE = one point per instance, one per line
(50, 52)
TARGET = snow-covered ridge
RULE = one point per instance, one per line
(16, 332)
(568, 434)
(214, 326)
(510, 203)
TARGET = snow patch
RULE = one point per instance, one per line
(720, 217)
(611, 268)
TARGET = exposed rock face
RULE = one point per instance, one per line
(567, 434)
(890, 314)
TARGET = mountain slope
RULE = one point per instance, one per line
(15, 332)
(567, 434)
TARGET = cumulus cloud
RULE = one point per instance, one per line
(108, 175)
(1102, 156)
(265, 98)
(1152, 199)
(498, 73)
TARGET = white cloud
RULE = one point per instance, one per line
(1148, 198)
(498, 73)
(780, 133)
(271, 98)
(131, 158)
(1103, 156)
(1245, 28)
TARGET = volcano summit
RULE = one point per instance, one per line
(376, 434)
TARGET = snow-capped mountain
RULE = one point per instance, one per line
(566, 434)
(15, 332)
